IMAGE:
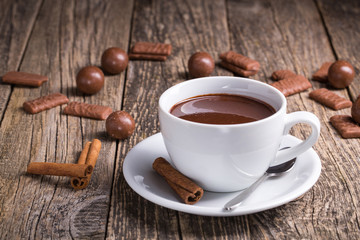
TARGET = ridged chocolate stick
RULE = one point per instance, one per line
(87, 110)
(45, 102)
(24, 78)
(282, 74)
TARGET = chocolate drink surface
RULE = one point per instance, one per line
(222, 109)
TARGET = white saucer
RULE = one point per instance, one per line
(274, 192)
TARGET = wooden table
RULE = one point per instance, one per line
(57, 38)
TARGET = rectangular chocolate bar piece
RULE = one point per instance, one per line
(238, 70)
(87, 110)
(330, 99)
(24, 78)
(45, 102)
(240, 61)
(152, 48)
(290, 86)
(346, 126)
(321, 75)
(282, 74)
(143, 56)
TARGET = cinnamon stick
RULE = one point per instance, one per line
(84, 153)
(76, 182)
(93, 152)
(89, 156)
(187, 190)
(60, 169)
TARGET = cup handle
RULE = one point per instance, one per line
(292, 119)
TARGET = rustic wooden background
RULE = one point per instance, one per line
(57, 38)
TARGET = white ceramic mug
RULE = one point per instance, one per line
(225, 158)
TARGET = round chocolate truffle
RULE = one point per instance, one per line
(355, 110)
(201, 64)
(120, 125)
(114, 60)
(341, 74)
(90, 80)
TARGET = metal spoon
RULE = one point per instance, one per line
(273, 171)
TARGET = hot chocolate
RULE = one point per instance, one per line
(222, 109)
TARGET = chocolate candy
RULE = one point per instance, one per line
(239, 64)
(143, 56)
(114, 60)
(237, 70)
(240, 61)
(321, 75)
(152, 48)
(201, 64)
(87, 110)
(282, 74)
(292, 85)
(120, 125)
(346, 126)
(341, 74)
(330, 99)
(24, 78)
(90, 80)
(355, 110)
(44, 103)
(150, 51)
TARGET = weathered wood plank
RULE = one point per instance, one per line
(189, 27)
(289, 34)
(67, 36)
(341, 19)
(16, 22)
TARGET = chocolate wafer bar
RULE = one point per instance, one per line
(282, 74)
(330, 99)
(45, 102)
(346, 126)
(292, 85)
(87, 110)
(142, 56)
(321, 75)
(240, 61)
(152, 48)
(237, 70)
(24, 78)
(150, 51)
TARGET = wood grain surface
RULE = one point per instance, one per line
(16, 23)
(58, 38)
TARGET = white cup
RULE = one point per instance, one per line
(225, 158)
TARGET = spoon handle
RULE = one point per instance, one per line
(238, 200)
